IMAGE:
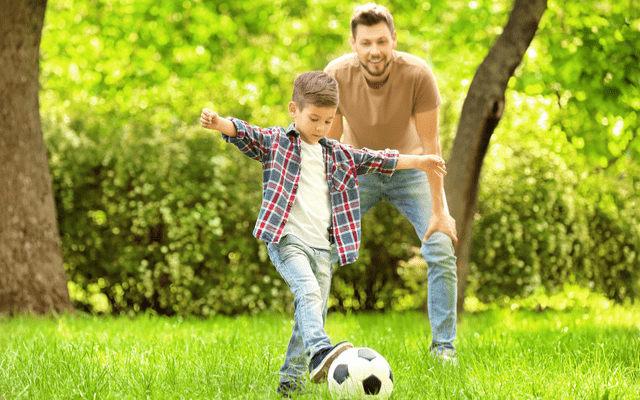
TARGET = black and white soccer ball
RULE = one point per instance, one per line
(360, 372)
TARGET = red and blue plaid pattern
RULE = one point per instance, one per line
(278, 150)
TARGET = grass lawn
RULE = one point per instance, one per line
(503, 354)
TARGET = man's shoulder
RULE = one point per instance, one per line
(412, 63)
(343, 62)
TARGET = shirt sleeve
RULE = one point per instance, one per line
(426, 94)
(371, 161)
(251, 140)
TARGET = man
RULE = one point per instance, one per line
(389, 99)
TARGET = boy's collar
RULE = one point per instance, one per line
(291, 129)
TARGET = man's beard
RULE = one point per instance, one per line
(372, 73)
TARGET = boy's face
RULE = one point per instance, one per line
(374, 46)
(313, 122)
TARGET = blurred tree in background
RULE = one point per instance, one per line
(31, 275)
(156, 213)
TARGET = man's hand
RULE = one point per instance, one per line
(209, 119)
(432, 163)
(442, 223)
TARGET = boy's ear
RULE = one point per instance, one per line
(292, 108)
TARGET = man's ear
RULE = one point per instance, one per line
(394, 39)
(352, 42)
(292, 108)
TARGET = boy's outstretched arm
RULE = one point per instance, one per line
(252, 141)
(211, 120)
(386, 161)
(430, 163)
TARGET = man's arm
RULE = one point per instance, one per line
(441, 220)
(335, 132)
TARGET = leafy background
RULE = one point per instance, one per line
(156, 214)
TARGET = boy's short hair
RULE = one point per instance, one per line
(371, 14)
(316, 88)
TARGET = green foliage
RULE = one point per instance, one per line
(571, 298)
(585, 57)
(156, 214)
(541, 223)
(613, 262)
(162, 223)
(531, 227)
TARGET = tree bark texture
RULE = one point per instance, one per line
(481, 112)
(32, 278)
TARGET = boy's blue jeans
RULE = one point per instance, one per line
(408, 190)
(307, 271)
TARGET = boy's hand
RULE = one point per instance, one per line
(433, 163)
(209, 119)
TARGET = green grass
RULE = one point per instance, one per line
(503, 354)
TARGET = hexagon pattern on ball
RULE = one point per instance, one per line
(360, 372)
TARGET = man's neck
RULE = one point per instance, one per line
(377, 81)
(376, 84)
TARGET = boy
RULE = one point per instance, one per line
(310, 201)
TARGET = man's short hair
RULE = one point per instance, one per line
(316, 88)
(371, 14)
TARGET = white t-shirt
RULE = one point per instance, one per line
(311, 211)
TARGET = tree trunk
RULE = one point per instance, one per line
(32, 277)
(481, 113)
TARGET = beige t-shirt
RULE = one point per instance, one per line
(383, 118)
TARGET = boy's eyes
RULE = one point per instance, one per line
(316, 120)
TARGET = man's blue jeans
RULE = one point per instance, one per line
(409, 192)
(307, 271)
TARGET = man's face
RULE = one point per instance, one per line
(374, 46)
(313, 122)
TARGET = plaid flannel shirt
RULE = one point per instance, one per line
(278, 150)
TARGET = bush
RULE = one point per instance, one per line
(162, 223)
(541, 224)
(612, 264)
(531, 226)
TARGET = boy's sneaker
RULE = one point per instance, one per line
(444, 354)
(288, 388)
(321, 361)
